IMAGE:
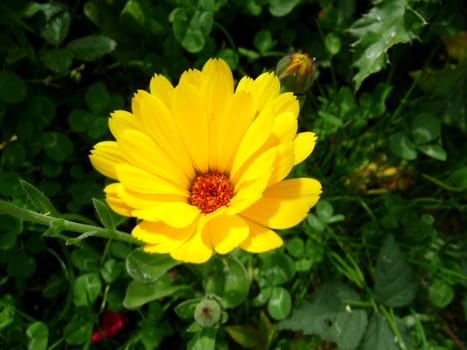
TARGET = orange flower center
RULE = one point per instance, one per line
(210, 191)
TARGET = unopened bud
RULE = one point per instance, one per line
(208, 312)
(295, 72)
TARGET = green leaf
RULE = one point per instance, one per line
(21, 265)
(425, 128)
(79, 120)
(236, 282)
(57, 24)
(57, 145)
(402, 146)
(86, 259)
(86, 289)
(145, 267)
(331, 119)
(395, 284)
(245, 335)
(191, 27)
(111, 270)
(203, 340)
(230, 56)
(140, 293)
(97, 97)
(333, 43)
(98, 126)
(77, 332)
(295, 247)
(187, 308)
(38, 336)
(227, 278)
(251, 54)
(90, 48)
(57, 60)
(458, 178)
(133, 15)
(13, 155)
(9, 230)
(315, 222)
(441, 293)
(106, 217)
(277, 267)
(434, 151)
(38, 199)
(379, 335)
(263, 41)
(279, 8)
(280, 303)
(387, 24)
(7, 314)
(12, 88)
(328, 315)
(324, 210)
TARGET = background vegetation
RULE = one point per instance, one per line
(381, 263)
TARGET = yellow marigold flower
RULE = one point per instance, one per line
(202, 164)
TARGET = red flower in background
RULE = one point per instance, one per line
(110, 324)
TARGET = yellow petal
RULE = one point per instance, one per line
(304, 144)
(138, 180)
(283, 162)
(161, 238)
(285, 128)
(238, 117)
(261, 239)
(162, 88)
(218, 92)
(120, 121)
(285, 203)
(138, 200)
(267, 88)
(191, 120)
(114, 201)
(255, 137)
(196, 249)
(105, 156)
(175, 214)
(287, 103)
(257, 170)
(227, 232)
(158, 122)
(139, 149)
(191, 77)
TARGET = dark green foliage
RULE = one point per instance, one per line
(379, 264)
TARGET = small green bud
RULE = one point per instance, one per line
(295, 72)
(208, 312)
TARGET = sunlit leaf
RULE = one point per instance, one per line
(140, 293)
(38, 199)
(387, 24)
(146, 267)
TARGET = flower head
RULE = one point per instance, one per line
(295, 72)
(202, 164)
(208, 312)
(110, 324)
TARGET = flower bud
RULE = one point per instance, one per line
(208, 312)
(295, 72)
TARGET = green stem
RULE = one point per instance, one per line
(441, 184)
(32, 216)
